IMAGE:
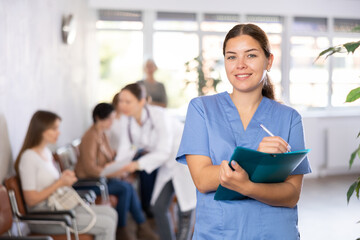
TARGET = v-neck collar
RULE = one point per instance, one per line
(242, 137)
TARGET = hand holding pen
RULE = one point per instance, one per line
(273, 144)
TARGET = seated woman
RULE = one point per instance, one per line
(40, 179)
(154, 133)
(95, 154)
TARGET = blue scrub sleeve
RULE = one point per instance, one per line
(297, 142)
(195, 139)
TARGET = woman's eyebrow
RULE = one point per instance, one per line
(249, 50)
(252, 49)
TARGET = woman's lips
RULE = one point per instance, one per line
(243, 76)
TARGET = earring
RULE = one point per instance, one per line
(268, 70)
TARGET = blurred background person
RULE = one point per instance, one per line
(95, 154)
(155, 134)
(40, 179)
(116, 128)
(156, 90)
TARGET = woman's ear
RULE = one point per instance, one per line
(270, 62)
(96, 119)
(143, 102)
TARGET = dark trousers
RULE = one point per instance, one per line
(163, 220)
(147, 182)
(128, 200)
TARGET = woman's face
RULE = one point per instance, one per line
(150, 68)
(246, 63)
(51, 134)
(129, 104)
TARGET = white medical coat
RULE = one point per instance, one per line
(160, 135)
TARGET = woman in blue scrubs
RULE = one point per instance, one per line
(216, 124)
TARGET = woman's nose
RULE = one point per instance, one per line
(241, 64)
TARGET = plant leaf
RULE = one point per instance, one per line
(330, 51)
(353, 95)
(358, 135)
(352, 157)
(351, 46)
(351, 191)
(357, 189)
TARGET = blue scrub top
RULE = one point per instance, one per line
(213, 128)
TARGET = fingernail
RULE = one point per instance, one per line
(233, 162)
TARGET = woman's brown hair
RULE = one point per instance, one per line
(259, 35)
(115, 100)
(136, 89)
(39, 123)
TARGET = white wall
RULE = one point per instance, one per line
(332, 139)
(38, 71)
(341, 8)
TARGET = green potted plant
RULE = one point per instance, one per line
(352, 96)
(201, 76)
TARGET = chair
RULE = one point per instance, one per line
(6, 219)
(67, 157)
(67, 218)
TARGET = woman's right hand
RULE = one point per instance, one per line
(273, 145)
(67, 178)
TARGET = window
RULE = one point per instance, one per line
(176, 21)
(219, 22)
(174, 44)
(179, 39)
(120, 42)
(346, 25)
(215, 27)
(345, 75)
(308, 79)
(307, 24)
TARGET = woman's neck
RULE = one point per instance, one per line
(99, 129)
(246, 105)
(117, 114)
(246, 100)
(40, 148)
(150, 78)
(138, 117)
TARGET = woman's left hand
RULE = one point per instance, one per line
(237, 180)
(131, 167)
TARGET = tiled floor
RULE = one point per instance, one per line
(323, 210)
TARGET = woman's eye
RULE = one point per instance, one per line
(230, 57)
(251, 55)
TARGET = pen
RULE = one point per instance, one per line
(272, 135)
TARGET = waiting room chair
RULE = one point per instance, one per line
(67, 218)
(6, 220)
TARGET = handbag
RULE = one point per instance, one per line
(66, 198)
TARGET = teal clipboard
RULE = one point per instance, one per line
(262, 168)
